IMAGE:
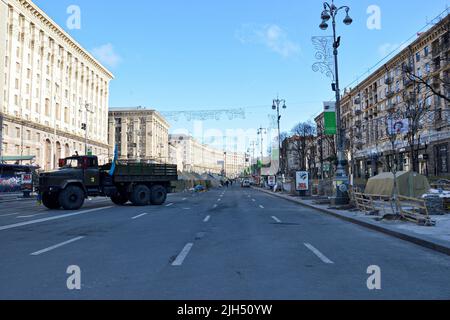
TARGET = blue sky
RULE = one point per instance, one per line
(225, 54)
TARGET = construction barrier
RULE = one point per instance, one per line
(411, 209)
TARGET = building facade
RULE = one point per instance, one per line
(200, 158)
(413, 87)
(140, 135)
(49, 86)
(176, 156)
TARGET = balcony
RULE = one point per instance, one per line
(407, 82)
(391, 107)
(388, 80)
(390, 93)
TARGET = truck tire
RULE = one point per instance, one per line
(158, 195)
(72, 198)
(50, 201)
(120, 199)
(140, 196)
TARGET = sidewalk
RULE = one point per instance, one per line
(16, 196)
(436, 238)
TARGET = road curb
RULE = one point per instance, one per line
(429, 244)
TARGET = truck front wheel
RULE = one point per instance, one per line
(72, 198)
(50, 201)
(120, 198)
(140, 196)
(158, 195)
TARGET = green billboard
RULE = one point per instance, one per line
(330, 127)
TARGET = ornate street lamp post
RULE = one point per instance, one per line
(341, 179)
(276, 106)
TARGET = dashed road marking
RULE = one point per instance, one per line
(169, 205)
(182, 256)
(207, 219)
(262, 207)
(319, 254)
(276, 219)
(215, 206)
(139, 216)
(37, 253)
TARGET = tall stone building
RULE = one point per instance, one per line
(49, 86)
(413, 88)
(140, 135)
(200, 158)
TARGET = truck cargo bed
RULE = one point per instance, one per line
(141, 172)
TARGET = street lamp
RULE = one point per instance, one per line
(341, 179)
(84, 126)
(276, 106)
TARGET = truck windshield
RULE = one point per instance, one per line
(72, 163)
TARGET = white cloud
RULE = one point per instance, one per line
(387, 48)
(106, 55)
(272, 36)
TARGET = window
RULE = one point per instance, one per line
(17, 132)
(418, 57)
(426, 51)
(442, 159)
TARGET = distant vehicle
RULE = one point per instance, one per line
(246, 184)
(80, 177)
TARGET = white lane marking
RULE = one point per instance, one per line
(218, 200)
(56, 246)
(215, 206)
(184, 199)
(319, 254)
(276, 219)
(182, 256)
(22, 224)
(11, 214)
(23, 217)
(207, 219)
(169, 205)
(262, 207)
(253, 200)
(139, 216)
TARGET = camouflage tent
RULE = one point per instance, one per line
(410, 184)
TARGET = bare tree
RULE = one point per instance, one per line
(301, 141)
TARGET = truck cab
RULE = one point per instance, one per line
(76, 178)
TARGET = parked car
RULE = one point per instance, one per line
(246, 184)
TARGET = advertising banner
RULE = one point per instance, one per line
(302, 181)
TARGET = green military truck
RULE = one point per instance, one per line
(80, 177)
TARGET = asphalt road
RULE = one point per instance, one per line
(224, 244)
